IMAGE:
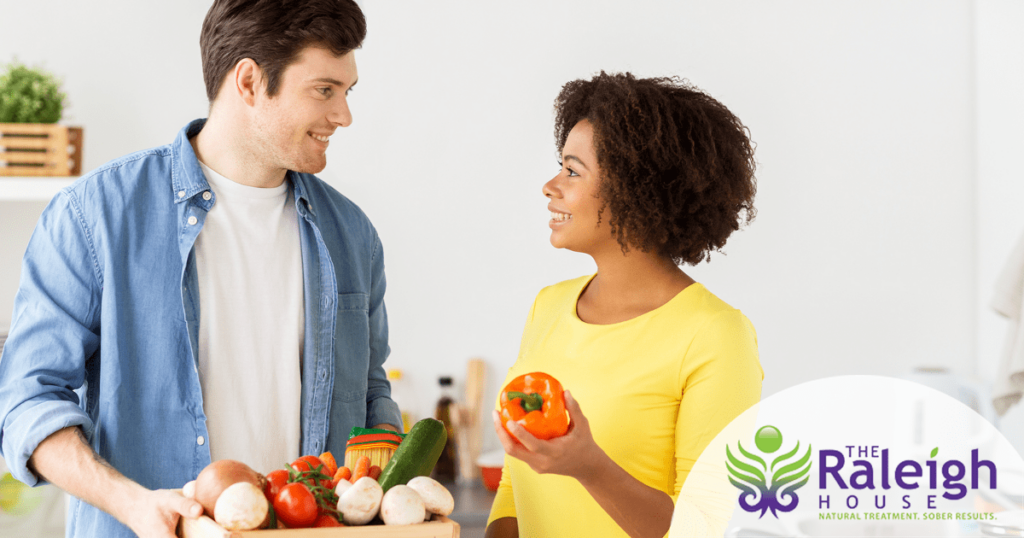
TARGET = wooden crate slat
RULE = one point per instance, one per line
(16, 169)
(204, 527)
(15, 142)
(28, 128)
(19, 157)
(74, 140)
(63, 145)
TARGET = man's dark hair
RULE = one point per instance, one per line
(273, 33)
(677, 167)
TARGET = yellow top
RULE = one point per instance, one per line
(656, 389)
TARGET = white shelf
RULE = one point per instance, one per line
(32, 189)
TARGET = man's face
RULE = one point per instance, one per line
(290, 130)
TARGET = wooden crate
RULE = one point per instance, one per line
(40, 149)
(439, 527)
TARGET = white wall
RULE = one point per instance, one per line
(1000, 180)
(862, 258)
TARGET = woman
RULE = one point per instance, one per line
(654, 173)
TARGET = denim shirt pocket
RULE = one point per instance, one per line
(352, 347)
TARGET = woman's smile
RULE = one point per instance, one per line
(559, 219)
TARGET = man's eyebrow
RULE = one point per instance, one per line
(327, 80)
(574, 158)
(336, 82)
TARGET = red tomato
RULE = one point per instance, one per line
(275, 481)
(296, 506)
(326, 520)
(308, 463)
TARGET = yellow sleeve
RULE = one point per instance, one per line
(721, 378)
(504, 503)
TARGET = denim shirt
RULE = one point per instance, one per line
(106, 323)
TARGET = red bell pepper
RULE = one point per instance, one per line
(535, 402)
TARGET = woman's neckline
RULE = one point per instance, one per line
(645, 315)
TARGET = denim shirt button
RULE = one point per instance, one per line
(181, 194)
(192, 220)
(207, 195)
(200, 440)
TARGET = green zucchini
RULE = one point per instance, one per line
(416, 455)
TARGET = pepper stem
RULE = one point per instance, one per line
(530, 402)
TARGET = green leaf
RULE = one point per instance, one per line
(934, 452)
(29, 96)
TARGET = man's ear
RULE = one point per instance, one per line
(248, 80)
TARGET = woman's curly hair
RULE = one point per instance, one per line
(677, 166)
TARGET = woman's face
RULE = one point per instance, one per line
(574, 197)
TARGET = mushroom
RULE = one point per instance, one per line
(401, 506)
(436, 498)
(241, 507)
(360, 502)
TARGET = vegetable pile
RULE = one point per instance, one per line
(314, 492)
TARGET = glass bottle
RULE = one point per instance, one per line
(444, 471)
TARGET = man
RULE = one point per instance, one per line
(207, 299)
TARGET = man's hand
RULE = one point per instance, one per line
(386, 426)
(66, 460)
(156, 512)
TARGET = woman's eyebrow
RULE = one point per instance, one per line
(574, 158)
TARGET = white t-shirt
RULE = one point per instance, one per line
(249, 266)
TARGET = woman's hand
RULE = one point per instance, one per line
(573, 454)
(639, 509)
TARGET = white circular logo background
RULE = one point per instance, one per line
(855, 456)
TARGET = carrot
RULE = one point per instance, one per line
(374, 472)
(330, 465)
(343, 473)
(362, 468)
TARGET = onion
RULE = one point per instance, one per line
(218, 476)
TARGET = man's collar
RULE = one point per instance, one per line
(299, 190)
(188, 179)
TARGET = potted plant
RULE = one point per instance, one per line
(31, 143)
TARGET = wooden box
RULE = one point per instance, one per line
(439, 527)
(40, 149)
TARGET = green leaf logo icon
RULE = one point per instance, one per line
(751, 474)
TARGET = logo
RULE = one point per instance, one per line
(750, 474)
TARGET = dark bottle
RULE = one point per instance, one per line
(444, 471)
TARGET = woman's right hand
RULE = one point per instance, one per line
(574, 454)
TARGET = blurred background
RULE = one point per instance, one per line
(888, 140)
